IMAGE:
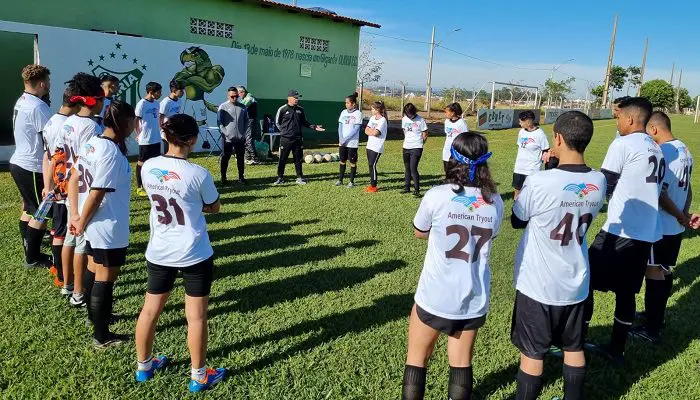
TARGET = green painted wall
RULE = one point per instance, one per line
(265, 32)
(21, 49)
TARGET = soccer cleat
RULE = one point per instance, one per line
(301, 181)
(212, 377)
(279, 181)
(159, 362)
(44, 261)
(641, 332)
(53, 271)
(606, 351)
(339, 183)
(141, 192)
(416, 194)
(57, 282)
(67, 290)
(243, 181)
(77, 300)
(112, 340)
(371, 189)
(351, 185)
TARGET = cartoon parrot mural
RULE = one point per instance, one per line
(199, 77)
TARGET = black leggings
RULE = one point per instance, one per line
(297, 150)
(372, 159)
(229, 147)
(411, 158)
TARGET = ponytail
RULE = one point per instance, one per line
(180, 129)
(468, 166)
(117, 116)
(379, 106)
(353, 98)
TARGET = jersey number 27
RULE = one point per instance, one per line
(462, 231)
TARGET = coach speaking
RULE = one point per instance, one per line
(290, 120)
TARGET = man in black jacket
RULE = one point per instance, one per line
(290, 120)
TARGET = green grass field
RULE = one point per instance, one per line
(312, 292)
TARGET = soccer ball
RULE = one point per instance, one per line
(327, 157)
(309, 159)
(318, 158)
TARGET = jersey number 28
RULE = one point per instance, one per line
(462, 231)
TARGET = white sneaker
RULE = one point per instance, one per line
(78, 300)
(351, 185)
(301, 181)
(67, 290)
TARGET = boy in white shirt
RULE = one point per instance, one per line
(170, 106)
(533, 149)
(148, 129)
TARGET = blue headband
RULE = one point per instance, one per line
(468, 161)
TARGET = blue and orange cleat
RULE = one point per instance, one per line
(212, 377)
(159, 363)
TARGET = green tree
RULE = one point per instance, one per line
(597, 92)
(659, 92)
(369, 68)
(553, 90)
(634, 77)
(684, 99)
(618, 77)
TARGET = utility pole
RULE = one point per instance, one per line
(428, 92)
(362, 90)
(678, 92)
(610, 60)
(673, 69)
(697, 110)
(403, 94)
(644, 65)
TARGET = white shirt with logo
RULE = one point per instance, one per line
(101, 165)
(76, 132)
(376, 143)
(551, 263)
(633, 209)
(530, 148)
(28, 119)
(53, 132)
(679, 168)
(455, 280)
(412, 130)
(148, 112)
(168, 108)
(178, 189)
(452, 130)
(347, 124)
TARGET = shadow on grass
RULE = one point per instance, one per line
(641, 358)
(323, 330)
(258, 245)
(257, 229)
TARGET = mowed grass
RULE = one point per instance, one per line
(312, 292)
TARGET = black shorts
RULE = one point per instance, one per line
(449, 326)
(30, 185)
(59, 226)
(107, 257)
(148, 151)
(348, 154)
(197, 278)
(538, 326)
(518, 181)
(664, 253)
(617, 264)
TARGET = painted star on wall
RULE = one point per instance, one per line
(112, 55)
(124, 56)
(136, 61)
(102, 58)
(90, 62)
(143, 67)
(118, 46)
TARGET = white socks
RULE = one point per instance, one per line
(199, 374)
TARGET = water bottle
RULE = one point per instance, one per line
(44, 208)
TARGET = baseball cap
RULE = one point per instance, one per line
(293, 93)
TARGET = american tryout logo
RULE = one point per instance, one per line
(68, 129)
(89, 148)
(526, 140)
(470, 202)
(451, 131)
(164, 175)
(349, 119)
(581, 189)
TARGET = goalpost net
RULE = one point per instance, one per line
(514, 95)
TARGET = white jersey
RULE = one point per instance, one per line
(178, 190)
(349, 124)
(633, 209)
(102, 165)
(412, 130)
(376, 143)
(551, 263)
(147, 111)
(679, 168)
(170, 107)
(455, 280)
(77, 131)
(530, 148)
(28, 119)
(53, 133)
(452, 130)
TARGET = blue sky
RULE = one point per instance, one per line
(532, 35)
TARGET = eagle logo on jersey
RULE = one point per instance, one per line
(164, 175)
(451, 131)
(68, 129)
(89, 148)
(525, 141)
(582, 189)
(471, 202)
(350, 119)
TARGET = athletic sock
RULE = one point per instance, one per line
(460, 384)
(655, 304)
(573, 382)
(619, 337)
(101, 308)
(529, 386)
(23, 225)
(56, 250)
(198, 374)
(88, 284)
(353, 172)
(145, 365)
(34, 239)
(341, 175)
(138, 176)
(413, 382)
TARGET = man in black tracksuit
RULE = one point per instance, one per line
(233, 123)
(290, 120)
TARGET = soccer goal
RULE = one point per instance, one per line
(514, 95)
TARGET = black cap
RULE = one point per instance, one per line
(293, 93)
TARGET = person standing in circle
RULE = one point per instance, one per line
(376, 135)
(235, 128)
(147, 117)
(533, 149)
(99, 193)
(415, 134)
(454, 125)
(459, 219)
(290, 120)
(349, 125)
(251, 105)
(170, 106)
(180, 192)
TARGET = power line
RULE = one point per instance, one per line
(491, 62)
(396, 38)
